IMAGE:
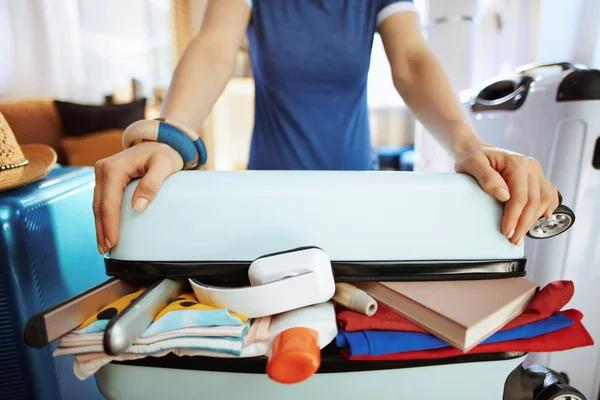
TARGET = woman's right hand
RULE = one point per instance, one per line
(151, 161)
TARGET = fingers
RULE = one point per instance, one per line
(517, 180)
(159, 167)
(534, 197)
(550, 194)
(96, 206)
(154, 161)
(531, 212)
(115, 178)
(488, 178)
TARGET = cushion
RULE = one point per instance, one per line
(34, 121)
(81, 119)
(87, 149)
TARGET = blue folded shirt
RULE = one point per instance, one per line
(376, 343)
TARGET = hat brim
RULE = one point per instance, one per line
(41, 160)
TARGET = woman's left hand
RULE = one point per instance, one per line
(515, 180)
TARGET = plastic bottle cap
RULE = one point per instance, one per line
(295, 355)
(362, 302)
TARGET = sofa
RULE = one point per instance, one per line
(80, 134)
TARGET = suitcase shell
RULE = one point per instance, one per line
(556, 120)
(48, 253)
(373, 226)
(474, 379)
(377, 226)
(238, 216)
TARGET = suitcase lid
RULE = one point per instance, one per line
(353, 216)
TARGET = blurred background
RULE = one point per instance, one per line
(99, 55)
(75, 73)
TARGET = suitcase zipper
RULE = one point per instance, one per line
(235, 273)
(429, 271)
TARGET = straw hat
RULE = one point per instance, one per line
(21, 165)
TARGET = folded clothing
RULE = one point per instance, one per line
(88, 363)
(320, 317)
(547, 302)
(258, 332)
(206, 315)
(376, 343)
(97, 322)
(568, 338)
(182, 324)
(90, 339)
(188, 302)
(186, 312)
(229, 345)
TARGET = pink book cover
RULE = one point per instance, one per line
(463, 313)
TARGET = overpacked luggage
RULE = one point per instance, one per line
(261, 284)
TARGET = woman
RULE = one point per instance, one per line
(310, 62)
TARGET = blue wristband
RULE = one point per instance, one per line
(163, 132)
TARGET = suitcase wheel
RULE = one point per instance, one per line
(561, 220)
(560, 392)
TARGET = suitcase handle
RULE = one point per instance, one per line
(564, 66)
(130, 324)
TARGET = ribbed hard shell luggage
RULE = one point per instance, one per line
(374, 226)
(48, 253)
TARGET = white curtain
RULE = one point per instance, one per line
(124, 40)
(5, 47)
(81, 50)
(41, 51)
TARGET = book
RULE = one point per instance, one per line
(462, 313)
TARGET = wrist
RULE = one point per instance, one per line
(191, 151)
(463, 139)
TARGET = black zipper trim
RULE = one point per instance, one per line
(236, 272)
(331, 362)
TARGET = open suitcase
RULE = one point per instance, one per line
(48, 253)
(373, 226)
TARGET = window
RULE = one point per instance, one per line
(82, 50)
(121, 40)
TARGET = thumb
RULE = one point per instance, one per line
(159, 168)
(488, 178)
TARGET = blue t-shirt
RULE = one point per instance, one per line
(310, 61)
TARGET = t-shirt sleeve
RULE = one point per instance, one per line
(390, 7)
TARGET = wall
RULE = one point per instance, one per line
(505, 37)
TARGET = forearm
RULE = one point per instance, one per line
(425, 88)
(207, 63)
(198, 80)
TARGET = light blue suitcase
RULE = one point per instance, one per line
(373, 226)
(48, 253)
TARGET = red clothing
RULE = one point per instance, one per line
(565, 339)
(548, 301)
